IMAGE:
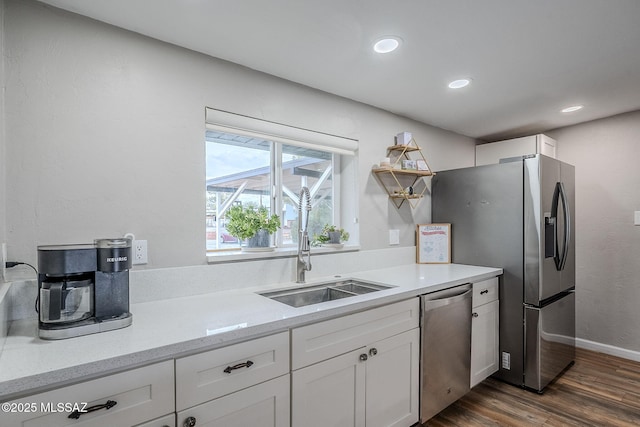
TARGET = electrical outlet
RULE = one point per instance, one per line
(139, 249)
(506, 360)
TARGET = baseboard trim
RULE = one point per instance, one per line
(608, 349)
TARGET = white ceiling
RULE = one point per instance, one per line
(527, 58)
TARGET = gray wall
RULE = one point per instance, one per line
(605, 153)
(104, 135)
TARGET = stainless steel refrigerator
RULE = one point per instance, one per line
(519, 215)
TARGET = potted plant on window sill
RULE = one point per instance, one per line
(254, 225)
(331, 236)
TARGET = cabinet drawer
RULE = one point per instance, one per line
(214, 373)
(485, 291)
(322, 340)
(140, 395)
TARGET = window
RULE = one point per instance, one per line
(265, 168)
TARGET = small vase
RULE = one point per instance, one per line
(261, 239)
(334, 237)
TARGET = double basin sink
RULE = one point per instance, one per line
(331, 291)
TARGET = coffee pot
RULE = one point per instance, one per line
(83, 289)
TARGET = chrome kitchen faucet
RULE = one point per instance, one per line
(303, 236)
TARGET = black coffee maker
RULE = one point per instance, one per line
(83, 289)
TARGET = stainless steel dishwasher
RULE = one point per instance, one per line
(445, 363)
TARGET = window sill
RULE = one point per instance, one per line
(239, 256)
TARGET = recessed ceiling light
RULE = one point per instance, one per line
(386, 44)
(572, 109)
(460, 83)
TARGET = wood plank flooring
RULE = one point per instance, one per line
(598, 390)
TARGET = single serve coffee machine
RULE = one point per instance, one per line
(83, 289)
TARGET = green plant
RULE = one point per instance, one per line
(244, 222)
(323, 237)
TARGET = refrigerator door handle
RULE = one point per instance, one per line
(567, 225)
(560, 256)
(551, 237)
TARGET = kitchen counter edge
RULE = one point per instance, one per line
(418, 279)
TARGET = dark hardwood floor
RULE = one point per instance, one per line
(598, 390)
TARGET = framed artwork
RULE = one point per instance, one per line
(433, 243)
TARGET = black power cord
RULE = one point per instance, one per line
(11, 264)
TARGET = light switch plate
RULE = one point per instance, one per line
(636, 218)
(394, 237)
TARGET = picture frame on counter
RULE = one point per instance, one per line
(433, 243)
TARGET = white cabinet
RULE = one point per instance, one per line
(245, 384)
(330, 393)
(484, 330)
(358, 370)
(492, 152)
(392, 380)
(125, 399)
(262, 405)
(322, 340)
(166, 421)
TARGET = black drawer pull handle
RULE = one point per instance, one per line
(246, 364)
(486, 291)
(76, 414)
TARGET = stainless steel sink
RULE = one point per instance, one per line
(330, 291)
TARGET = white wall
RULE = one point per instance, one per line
(104, 135)
(606, 153)
(3, 211)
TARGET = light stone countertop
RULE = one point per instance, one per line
(176, 327)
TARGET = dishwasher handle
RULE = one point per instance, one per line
(445, 297)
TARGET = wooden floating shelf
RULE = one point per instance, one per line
(395, 180)
(405, 196)
(404, 171)
(407, 148)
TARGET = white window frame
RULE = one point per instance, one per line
(224, 121)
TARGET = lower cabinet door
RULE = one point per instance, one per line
(484, 342)
(330, 393)
(393, 381)
(166, 421)
(262, 405)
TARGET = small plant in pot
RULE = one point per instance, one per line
(331, 234)
(253, 224)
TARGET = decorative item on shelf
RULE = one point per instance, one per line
(254, 225)
(421, 165)
(404, 138)
(409, 165)
(407, 169)
(331, 236)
